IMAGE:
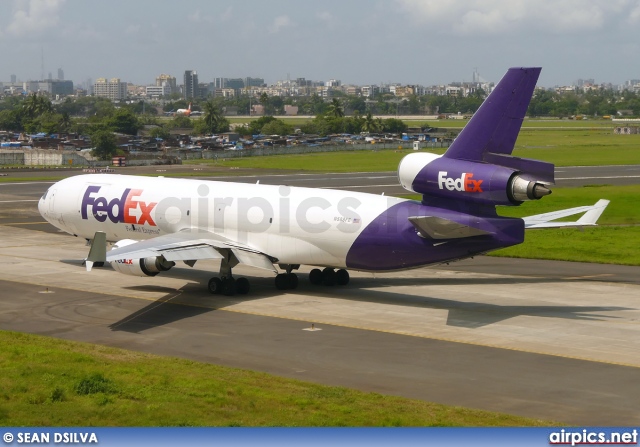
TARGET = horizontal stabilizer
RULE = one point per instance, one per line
(591, 215)
(440, 228)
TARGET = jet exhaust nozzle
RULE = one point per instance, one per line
(522, 190)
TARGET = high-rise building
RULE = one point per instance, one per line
(60, 74)
(50, 87)
(168, 80)
(14, 79)
(190, 88)
(253, 82)
(113, 89)
(235, 83)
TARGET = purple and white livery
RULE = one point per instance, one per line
(156, 222)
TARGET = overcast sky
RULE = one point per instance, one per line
(357, 41)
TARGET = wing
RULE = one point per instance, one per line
(190, 246)
(591, 215)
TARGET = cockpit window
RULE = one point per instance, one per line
(45, 195)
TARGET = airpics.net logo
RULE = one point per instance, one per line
(592, 437)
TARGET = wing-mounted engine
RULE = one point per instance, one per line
(149, 266)
(485, 183)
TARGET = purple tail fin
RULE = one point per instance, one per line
(491, 134)
(495, 126)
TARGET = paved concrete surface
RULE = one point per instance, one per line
(561, 348)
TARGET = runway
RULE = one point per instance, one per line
(372, 182)
(550, 340)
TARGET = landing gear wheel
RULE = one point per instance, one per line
(215, 285)
(328, 276)
(292, 280)
(281, 281)
(315, 277)
(286, 281)
(342, 277)
(242, 286)
(229, 286)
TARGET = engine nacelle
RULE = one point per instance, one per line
(436, 176)
(150, 266)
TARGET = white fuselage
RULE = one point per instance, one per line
(294, 225)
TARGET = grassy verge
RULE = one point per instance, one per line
(48, 382)
(604, 245)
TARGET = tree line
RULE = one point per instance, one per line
(100, 118)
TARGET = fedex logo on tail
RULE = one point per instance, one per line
(463, 183)
(124, 209)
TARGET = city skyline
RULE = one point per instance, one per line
(425, 42)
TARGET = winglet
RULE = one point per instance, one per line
(98, 250)
(592, 216)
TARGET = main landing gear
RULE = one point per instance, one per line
(329, 277)
(226, 284)
(289, 280)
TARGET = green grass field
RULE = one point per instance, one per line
(49, 382)
(564, 143)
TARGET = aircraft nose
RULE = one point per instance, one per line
(42, 207)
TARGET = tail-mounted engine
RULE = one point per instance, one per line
(150, 266)
(448, 178)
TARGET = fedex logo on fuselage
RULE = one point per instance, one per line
(118, 210)
(463, 183)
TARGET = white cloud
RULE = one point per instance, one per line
(634, 15)
(198, 17)
(470, 17)
(131, 30)
(33, 17)
(280, 23)
(326, 19)
(227, 14)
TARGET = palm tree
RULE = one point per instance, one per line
(36, 105)
(213, 118)
(369, 124)
(65, 123)
(264, 100)
(335, 108)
